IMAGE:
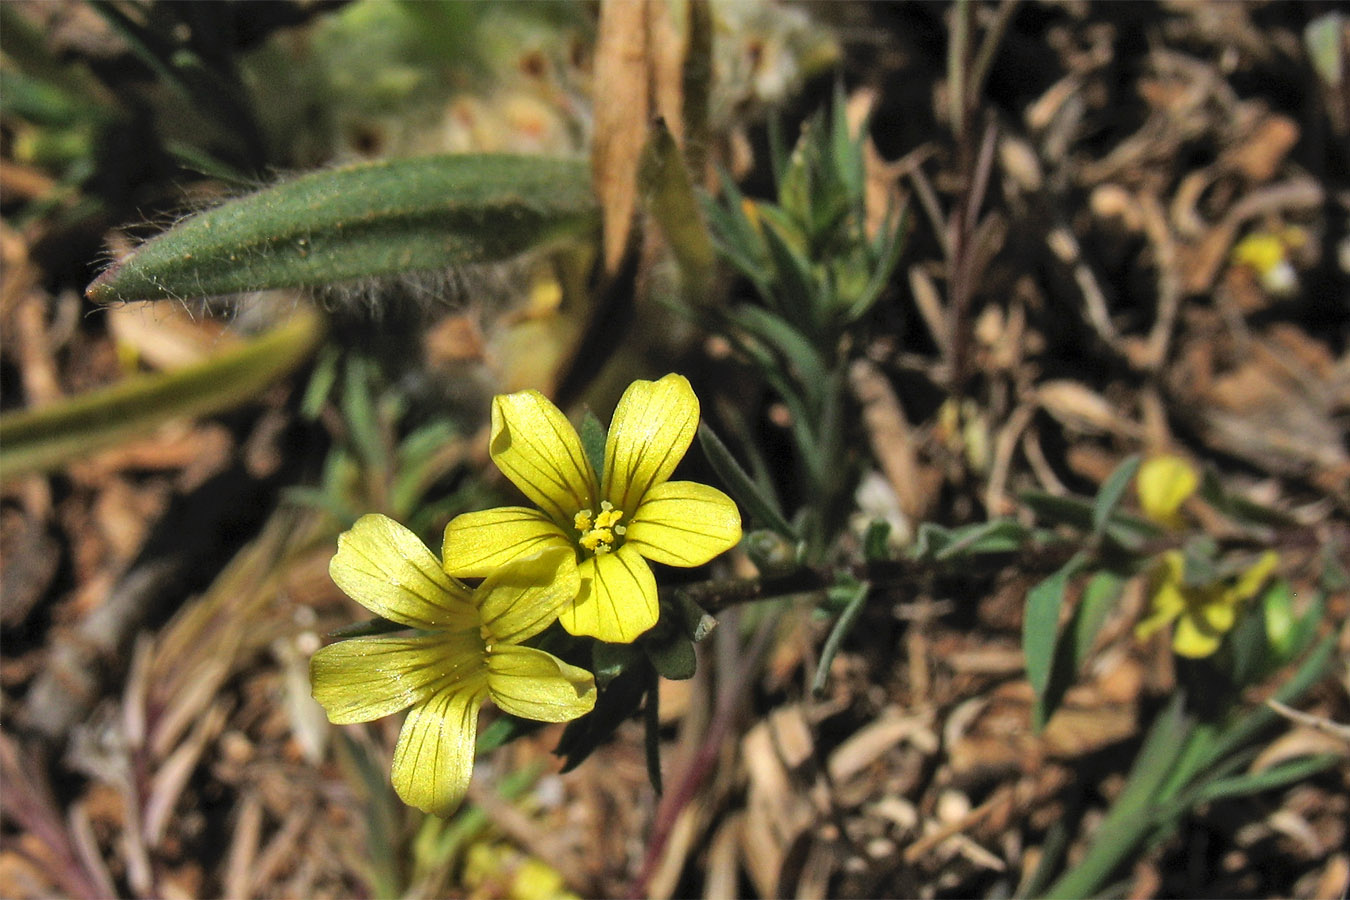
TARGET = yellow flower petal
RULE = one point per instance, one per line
(536, 685)
(1164, 483)
(384, 567)
(476, 543)
(362, 679)
(1251, 580)
(1193, 639)
(683, 523)
(433, 761)
(1217, 615)
(1167, 604)
(1167, 598)
(521, 599)
(652, 427)
(538, 449)
(617, 601)
(1261, 251)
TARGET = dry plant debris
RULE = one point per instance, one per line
(159, 603)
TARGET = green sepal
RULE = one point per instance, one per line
(772, 553)
(1201, 569)
(593, 441)
(694, 620)
(672, 656)
(377, 625)
(609, 661)
(503, 730)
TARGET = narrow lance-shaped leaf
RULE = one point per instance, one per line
(593, 440)
(1001, 535)
(886, 256)
(1040, 630)
(1277, 777)
(743, 489)
(1112, 490)
(796, 349)
(854, 595)
(1099, 595)
(363, 221)
(50, 436)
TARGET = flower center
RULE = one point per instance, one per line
(599, 532)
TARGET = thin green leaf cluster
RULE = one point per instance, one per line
(376, 461)
(808, 255)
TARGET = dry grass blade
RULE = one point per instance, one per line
(169, 781)
(239, 878)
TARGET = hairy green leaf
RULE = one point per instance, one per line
(360, 222)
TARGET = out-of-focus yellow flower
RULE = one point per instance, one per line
(497, 869)
(1164, 483)
(612, 524)
(466, 649)
(1203, 613)
(1267, 254)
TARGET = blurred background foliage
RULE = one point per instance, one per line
(943, 275)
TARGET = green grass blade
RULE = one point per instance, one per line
(46, 438)
(360, 222)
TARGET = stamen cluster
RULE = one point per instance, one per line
(598, 536)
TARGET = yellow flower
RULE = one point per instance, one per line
(1164, 483)
(1203, 613)
(1267, 254)
(466, 649)
(614, 524)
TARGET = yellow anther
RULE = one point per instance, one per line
(597, 537)
(597, 533)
